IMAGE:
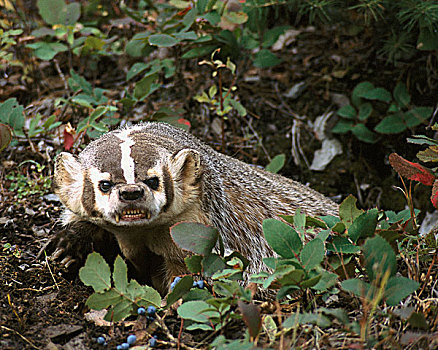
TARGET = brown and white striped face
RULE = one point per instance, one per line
(129, 177)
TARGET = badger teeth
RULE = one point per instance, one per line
(133, 215)
(117, 218)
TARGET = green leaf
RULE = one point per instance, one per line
(163, 40)
(144, 87)
(194, 237)
(5, 136)
(198, 311)
(186, 35)
(342, 245)
(276, 163)
(398, 288)
(271, 36)
(364, 225)
(282, 238)
(213, 17)
(238, 107)
(365, 111)
(348, 211)
(99, 301)
(359, 288)
(211, 264)
(360, 89)
(235, 17)
(401, 95)
(379, 258)
(343, 126)
(193, 263)
(364, 134)
(181, 288)
(120, 311)
(58, 12)
(417, 115)
(392, 124)
(312, 254)
(347, 112)
(96, 273)
(120, 274)
(137, 68)
(265, 59)
(328, 280)
(379, 94)
(11, 113)
(311, 282)
(199, 51)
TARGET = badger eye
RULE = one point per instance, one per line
(105, 186)
(152, 183)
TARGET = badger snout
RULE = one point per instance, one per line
(129, 193)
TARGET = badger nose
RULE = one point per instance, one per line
(131, 193)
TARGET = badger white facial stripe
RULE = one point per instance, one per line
(127, 162)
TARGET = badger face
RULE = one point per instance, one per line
(127, 178)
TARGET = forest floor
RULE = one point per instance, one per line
(42, 308)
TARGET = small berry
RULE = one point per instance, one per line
(119, 347)
(151, 310)
(152, 342)
(200, 284)
(131, 339)
(195, 284)
(125, 346)
(141, 311)
(100, 340)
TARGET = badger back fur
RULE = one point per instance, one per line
(137, 182)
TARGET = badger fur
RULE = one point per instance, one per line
(137, 182)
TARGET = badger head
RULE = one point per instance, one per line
(129, 177)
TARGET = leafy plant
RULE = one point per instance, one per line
(7, 41)
(122, 297)
(399, 116)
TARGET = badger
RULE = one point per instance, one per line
(134, 183)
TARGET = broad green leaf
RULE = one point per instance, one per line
(5, 136)
(343, 126)
(186, 35)
(359, 288)
(193, 263)
(136, 68)
(121, 310)
(300, 319)
(282, 238)
(342, 245)
(211, 264)
(271, 36)
(213, 17)
(379, 258)
(330, 220)
(379, 94)
(347, 112)
(398, 288)
(200, 326)
(359, 90)
(238, 107)
(58, 12)
(99, 301)
(417, 115)
(143, 295)
(198, 311)
(401, 95)
(144, 87)
(292, 277)
(199, 51)
(181, 288)
(299, 221)
(194, 237)
(364, 225)
(11, 113)
(276, 163)
(348, 211)
(96, 273)
(328, 280)
(365, 111)
(236, 17)
(120, 274)
(430, 154)
(265, 59)
(310, 282)
(163, 40)
(392, 124)
(363, 133)
(312, 254)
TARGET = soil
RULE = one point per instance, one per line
(42, 307)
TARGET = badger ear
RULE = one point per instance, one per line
(69, 181)
(186, 165)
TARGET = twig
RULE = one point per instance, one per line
(21, 336)
(58, 69)
(50, 270)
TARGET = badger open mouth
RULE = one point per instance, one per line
(132, 215)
